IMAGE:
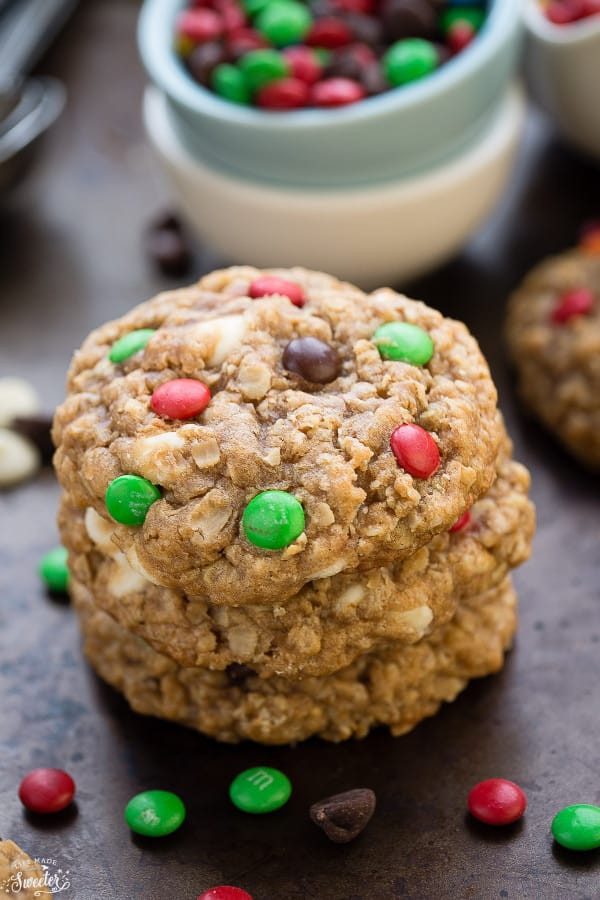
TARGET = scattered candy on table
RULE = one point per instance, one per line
(497, 801)
(313, 359)
(19, 458)
(129, 497)
(273, 520)
(129, 344)
(577, 827)
(289, 54)
(415, 450)
(225, 892)
(260, 790)
(577, 302)
(564, 12)
(343, 816)
(181, 398)
(53, 570)
(46, 790)
(405, 342)
(155, 813)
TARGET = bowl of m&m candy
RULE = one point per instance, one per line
(563, 66)
(365, 136)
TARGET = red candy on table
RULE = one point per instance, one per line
(462, 523)
(181, 398)
(578, 302)
(415, 450)
(200, 25)
(329, 33)
(271, 284)
(497, 801)
(337, 92)
(285, 93)
(304, 64)
(46, 790)
(225, 892)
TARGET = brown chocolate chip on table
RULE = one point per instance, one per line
(36, 429)
(343, 816)
(167, 246)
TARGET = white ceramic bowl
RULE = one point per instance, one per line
(563, 71)
(369, 235)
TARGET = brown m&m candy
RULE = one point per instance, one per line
(313, 359)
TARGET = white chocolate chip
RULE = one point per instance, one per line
(333, 569)
(19, 459)
(242, 641)
(254, 379)
(156, 457)
(221, 336)
(349, 599)
(205, 451)
(210, 515)
(123, 579)
(272, 457)
(416, 619)
(137, 565)
(100, 531)
(17, 398)
(323, 515)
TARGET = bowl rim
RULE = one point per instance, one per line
(579, 32)
(155, 29)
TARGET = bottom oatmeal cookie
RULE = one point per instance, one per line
(395, 686)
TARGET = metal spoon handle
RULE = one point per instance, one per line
(26, 29)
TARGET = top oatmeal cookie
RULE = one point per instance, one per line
(356, 497)
(553, 330)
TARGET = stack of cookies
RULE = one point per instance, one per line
(290, 507)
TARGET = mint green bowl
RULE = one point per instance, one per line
(405, 131)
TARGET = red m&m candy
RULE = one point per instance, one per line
(270, 284)
(304, 63)
(337, 92)
(415, 450)
(225, 892)
(181, 398)
(285, 93)
(497, 801)
(578, 302)
(329, 33)
(200, 25)
(462, 523)
(46, 790)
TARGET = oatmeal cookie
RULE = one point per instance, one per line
(330, 621)
(325, 447)
(553, 331)
(20, 875)
(395, 686)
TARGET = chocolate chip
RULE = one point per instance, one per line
(313, 359)
(366, 29)
(238, 672)
(408, 19)
(373, 80)
(203, 59)
(37, 430)
(167, 246)
(343, 816)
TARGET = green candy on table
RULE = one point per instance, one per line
(155, 813)
(405, 342)
(259, 67)
(284, 22)
(130, 344)
(53, 570)
(577, 827)
(409, 60)
(260, 790)
(229, 82)
(129, 497)
(273, 519)
(471, 14)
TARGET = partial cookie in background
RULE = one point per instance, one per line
(553, 332)
(21, 876)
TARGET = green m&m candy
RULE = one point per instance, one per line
(129, 497)
(53, 570)
(409, 60)
(577, 827)
(130, 344)
(259, 67)
(284, 22)
(403, 341)
(473, 15)
(229, 82)
(155, 813)
(273, 520)
(260, 790)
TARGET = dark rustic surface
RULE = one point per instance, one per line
(70, 258)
